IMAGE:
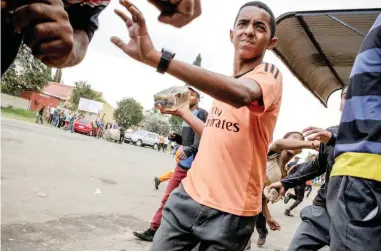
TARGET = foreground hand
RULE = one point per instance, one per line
(140, 46)
(278, 185)
(177, 13)
(274, 225)
(47, 31)
(179, 112)
(317, 134)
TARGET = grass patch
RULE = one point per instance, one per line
(19, 113)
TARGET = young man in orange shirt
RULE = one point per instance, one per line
(218, 202)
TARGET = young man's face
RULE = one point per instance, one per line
(343, 95)
(251, 35)
(193, 100)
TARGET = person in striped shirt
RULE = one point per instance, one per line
(354, 190)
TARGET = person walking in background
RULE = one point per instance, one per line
(161, 143)
(166, 142)
(308, 188)
(100, 128)
(61, 118)
(40, 114)
(51, 113)
(299, 191)
(72, 120)
(55, 117)
(67, 120)
(122, 133)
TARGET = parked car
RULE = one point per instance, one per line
(143, 138)
(112, 135)
(85, 126)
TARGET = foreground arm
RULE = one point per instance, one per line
(57, 35)
(292, 144)
(266, 212)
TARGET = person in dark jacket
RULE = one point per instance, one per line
(313, 232)
(40, 113)
(122, 133)
(189, 142)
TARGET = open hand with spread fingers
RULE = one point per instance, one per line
(317, 134)
(140, 46)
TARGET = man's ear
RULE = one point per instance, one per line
(272, 43)
(231, 36)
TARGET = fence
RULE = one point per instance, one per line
(14, 101)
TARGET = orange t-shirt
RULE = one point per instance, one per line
(229, 171)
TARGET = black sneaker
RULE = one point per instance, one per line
(287, 213)
(261, 240)
(157, 182)
(287, 198)
(146, 235)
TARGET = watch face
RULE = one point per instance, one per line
(167, 54)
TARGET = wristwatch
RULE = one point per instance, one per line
(166, 57)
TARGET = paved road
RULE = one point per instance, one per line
(49, 199)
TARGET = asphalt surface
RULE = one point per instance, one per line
(64, 191)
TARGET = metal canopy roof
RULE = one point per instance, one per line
(320, 47)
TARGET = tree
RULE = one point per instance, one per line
(129, 112)
(156, 123)
(25, 74)
(198, 60)
(58, 76)
(83, 89)
(152, 111)
(175, 123)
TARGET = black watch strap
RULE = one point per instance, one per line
(166, 57)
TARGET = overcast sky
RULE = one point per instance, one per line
(112, 72)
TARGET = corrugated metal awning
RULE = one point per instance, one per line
(319, 47)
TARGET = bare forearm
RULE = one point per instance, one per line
(290, 144)
(265, 209)
(236, 92)
(193, 121)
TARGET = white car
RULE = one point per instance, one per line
(143, 138)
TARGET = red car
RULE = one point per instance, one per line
(84, 126)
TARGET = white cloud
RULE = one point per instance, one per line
(118, 76)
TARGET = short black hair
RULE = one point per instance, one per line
(193, 90)
(262, 6)
(293, 132)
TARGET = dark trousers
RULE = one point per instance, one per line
(313, 232)
(309, 190)
(298, 197)
(50, 118)
(186, 223)
(121, 138)
(260, 225)
(39, 118)
(354, 205)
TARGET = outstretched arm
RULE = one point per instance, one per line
(235, 92)
(292, 144)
